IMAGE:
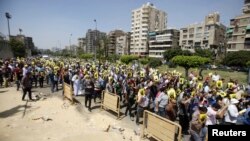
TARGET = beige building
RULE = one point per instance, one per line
(161, 41)
(209, 34)
(112, 36)
(123, 44)
(238, 33)
(144, 20)
(82, 44)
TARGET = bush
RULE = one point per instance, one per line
(144, 61)
(86, 56)
(172, 65)
(154, 62)
(238, 58)
(128, 58)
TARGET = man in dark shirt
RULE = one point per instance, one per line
(89, 90)
(27, 85)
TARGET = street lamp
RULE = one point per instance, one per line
(70, 45)
(20, 30)
(8, 16)
(95, 36)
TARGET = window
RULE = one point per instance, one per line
(191, 30)
(184, 36)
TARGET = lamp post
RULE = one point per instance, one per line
(8, 16)
(95, 37)
(70, 45)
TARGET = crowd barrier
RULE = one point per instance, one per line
(67, 92)
(111, 101)
(160, 128)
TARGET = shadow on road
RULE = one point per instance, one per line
(14, 110)
(4, 91)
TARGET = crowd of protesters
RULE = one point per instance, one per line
(195, 101)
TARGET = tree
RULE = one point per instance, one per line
(248, 65)
(154, 62)
(203, 52)
(144, 61)
(113, 57)
(238, 58)
(169, 54)
(86, 56)
(189, 62)
(128, 58)
(18, 48)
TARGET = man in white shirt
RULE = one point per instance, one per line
(214, 112)
(232, 112)
(215, 77)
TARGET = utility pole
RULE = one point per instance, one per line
(8, 16)
(95, 37)
(70, 45)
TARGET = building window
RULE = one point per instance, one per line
(191, 30)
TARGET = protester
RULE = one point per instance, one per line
(27, 85)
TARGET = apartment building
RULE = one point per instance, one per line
(112, 36)
(209, 34)
(123, 44)
(82, 44)
(238, 33)
(92, 40)
(160, 41)
(144, 20)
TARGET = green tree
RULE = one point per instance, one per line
(113, 57)
(169, 54)
(144, 61)
(128, 58)
(86, 56)
(238, 58)
(154, 62)
(18, 48)
(203, 52)
(190, 61)
(248, 65)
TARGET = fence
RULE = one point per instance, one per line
(160, 128)
(111, 102)
(67, 92)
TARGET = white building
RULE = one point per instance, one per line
(161, 41)
(123, 44)
(144, 20)
(209, 34)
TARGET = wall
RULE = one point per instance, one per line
(5, 50)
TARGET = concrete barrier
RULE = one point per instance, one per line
(111, 101)
(67, 92)
(160, 128)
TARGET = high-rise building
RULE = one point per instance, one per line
(112, 36)
(123, 44)
(160, 41)
(238, 33)
(144, 20)
(82, 44)
(209, 34)
(92, 40)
